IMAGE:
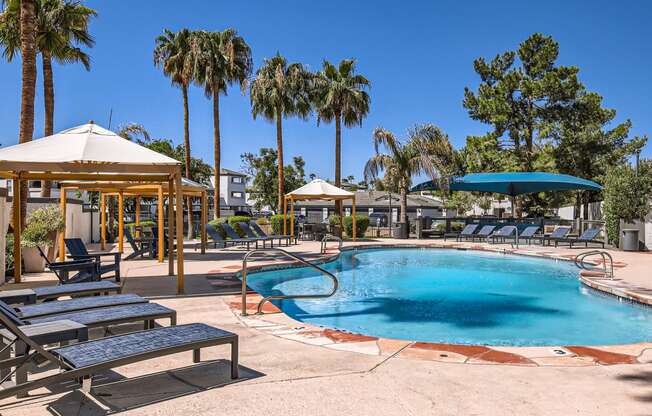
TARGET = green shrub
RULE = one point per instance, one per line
(9, 253)
(217, 224)
(143, 224)
(262, 221)
(361, 225)
(334, 220)
(42, 226)
(233, 222)
(276, 221)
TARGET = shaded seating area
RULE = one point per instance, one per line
(87, 270)
(77, 251)
(140, 246)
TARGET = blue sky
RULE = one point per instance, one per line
(417, 55)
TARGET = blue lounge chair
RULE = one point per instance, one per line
(262, 233)
(78, 251)
(587, 237)
(466, 233)
(235, 238)
(528, 233)
(503, 233)
(251, 235)
(559, 233)
(77, 304)
(484, 233)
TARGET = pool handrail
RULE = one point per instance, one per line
(327, 238)
(579, 261)
(266, 299)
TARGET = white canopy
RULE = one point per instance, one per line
(88, 143)
(320, 189)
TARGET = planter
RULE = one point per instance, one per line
(32, 260)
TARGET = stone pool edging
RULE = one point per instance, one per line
(274, 322)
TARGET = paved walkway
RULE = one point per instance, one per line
(285, 376)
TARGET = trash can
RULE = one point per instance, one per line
(630, 239)
(401, 230)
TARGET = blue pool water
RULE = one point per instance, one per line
(460, 297)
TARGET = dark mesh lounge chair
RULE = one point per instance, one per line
(218, 240)
(82, 360)
(140, 246)
(31, 296)
(235, 238)
(78, 251)
(77, 304)
(528, 233)
(587, 237)
(558, 234)
(262, 233)
(466, 232)
(503, 234)
(251, 235)
(484, 233)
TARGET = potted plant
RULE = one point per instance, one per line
(41, 229)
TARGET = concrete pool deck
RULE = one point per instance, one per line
(339, 373)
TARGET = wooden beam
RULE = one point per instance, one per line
(292, 217)
(137, 219)
(103, 221)
(353, 213)
(161, 229)
(94, 177)
(179, 229)
(171, 227)
(17, 230)
(57, 168)
(202, 225)
(62, 235)
(285, 216)
(121, 222)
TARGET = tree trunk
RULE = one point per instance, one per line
(403, 218)
(217, 153)
(338, 160)
(28, 88)
(48, 98)
(186, 147)
(279, 149)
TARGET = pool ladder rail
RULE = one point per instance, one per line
(326, 239)
(608, 273)
(267, 251)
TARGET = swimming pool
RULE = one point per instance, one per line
(458, 297)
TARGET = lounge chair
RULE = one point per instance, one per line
(235, 238)
(86, 269)
(78, 251)
(46, 293)
(250, 234)
(77, 304)
(217, 238)
(82, 360)
(261, 233)
(528, 233)
(503, 233)
(557, 234)
(140, 246)
(466, 232)
(484, 233)
(587, 237)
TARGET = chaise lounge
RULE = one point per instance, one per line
(261, 233)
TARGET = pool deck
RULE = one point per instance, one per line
(293, 368)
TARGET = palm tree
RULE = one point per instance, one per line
(61, 25)
(340, 95)
(426, 151)
(281, 90)
(26, 30)
(134, 132)
(224, 58)
(176, 54)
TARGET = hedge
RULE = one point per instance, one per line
(143, 224)
(361, 225)
(276, 221)
(233, 222)
(217, 224)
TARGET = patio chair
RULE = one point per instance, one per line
(140, 246)
(76, 289)
(78, 251)
(80, 361)
(235, 238)
(587, 237)
(250, 234)
(261, 233)
(557, 234)
(502, 234)
(466, 232)
(528, 233)
(217, 238)
(484, 233)
(77, 304)
(86, 269)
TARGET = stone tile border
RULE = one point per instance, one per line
(274, 322)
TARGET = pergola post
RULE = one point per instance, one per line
(170, 227)
(204, 218)
(62, 235)
(161, 230)
(285, 216)
(17, 230)
(121, 221)
(179, 230)
(292, 217)
(137, 219)
(353, 214)
(102, 221)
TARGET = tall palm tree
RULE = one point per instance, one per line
(134, 132)
(176, 54)
(224, 58)
(61, 27)
(340, 95)
(26, 10)
(281, 90)
(427, 150)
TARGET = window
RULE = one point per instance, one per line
(236, 179)
(237, 195)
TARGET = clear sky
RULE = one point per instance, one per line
(418, 56)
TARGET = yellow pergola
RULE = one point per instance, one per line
(92, 153)
(318, 189)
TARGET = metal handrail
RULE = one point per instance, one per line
(579, 261)
(330, 237)
(278, 297)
